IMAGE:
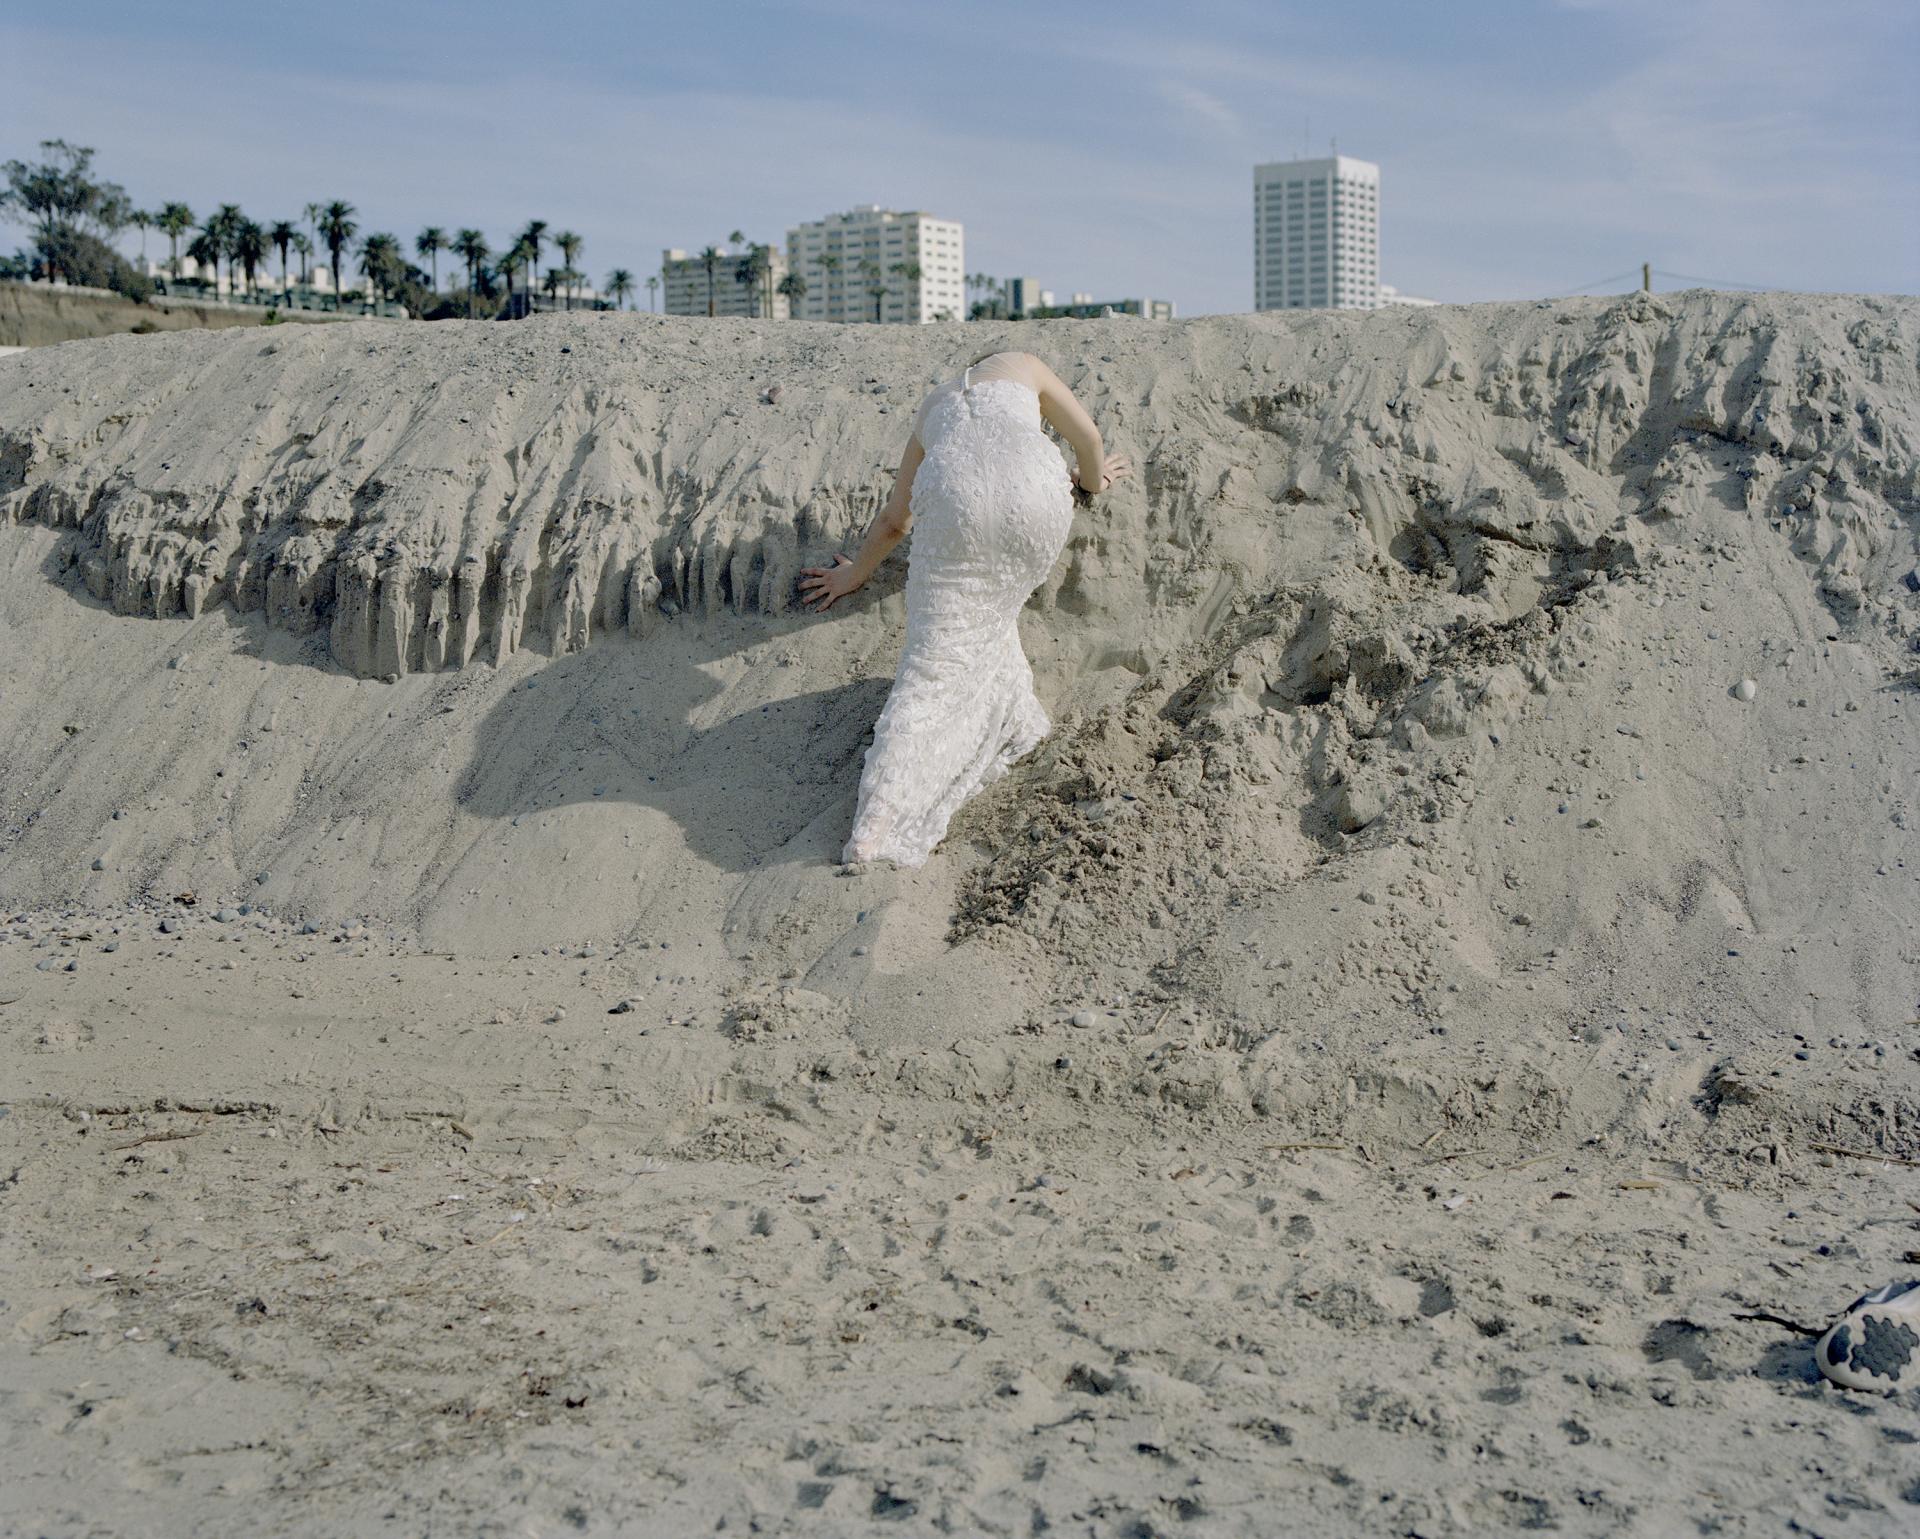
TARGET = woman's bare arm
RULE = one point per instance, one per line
(1096, 467)
(821, 585)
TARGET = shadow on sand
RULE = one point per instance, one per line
(700, 721)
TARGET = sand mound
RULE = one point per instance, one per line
(1416, 1048)
(1403, 678)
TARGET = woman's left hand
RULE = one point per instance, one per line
(821, 585)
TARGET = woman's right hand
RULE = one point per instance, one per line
(1113, 468)
(821, 585)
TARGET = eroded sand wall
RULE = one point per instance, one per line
(1400, 739)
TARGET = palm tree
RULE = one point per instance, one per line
(569, 245)
(249, 248)
(471, 247)
(994, 306)
(176, 219)
(305, 247)
(336, 229)
(619, 286)
(653, 284)
(738, 238)
(795, 288)
(532, 237)
(830, 265)
(144, 221)
(876, 282)
(761, 264)
(520, 255)
(710, 259)
(556, 276)
(220, 230)
(743, 272)
(909, 271)
(204, 253)
(379, 261)
(282, 235)
(430, 243)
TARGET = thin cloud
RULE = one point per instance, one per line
(1201, 105)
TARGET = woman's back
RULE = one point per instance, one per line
(995, 368)
(992, 494)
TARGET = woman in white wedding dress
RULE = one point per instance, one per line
(990, 501)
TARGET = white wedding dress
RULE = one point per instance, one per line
(992, 503)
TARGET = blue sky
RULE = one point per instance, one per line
(1526, 148)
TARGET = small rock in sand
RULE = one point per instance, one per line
(1746, 689)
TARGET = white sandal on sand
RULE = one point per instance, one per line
(1876, 1345)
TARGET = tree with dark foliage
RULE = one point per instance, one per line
(61, 199)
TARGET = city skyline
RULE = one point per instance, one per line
(1726, 142)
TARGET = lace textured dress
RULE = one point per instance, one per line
(992, 504)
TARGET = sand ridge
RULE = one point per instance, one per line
(1407, 837)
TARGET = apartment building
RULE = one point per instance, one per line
(829, 255)
(684, 286)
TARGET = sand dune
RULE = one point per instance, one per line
(1410, 821)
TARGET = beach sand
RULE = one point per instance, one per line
(1417, 1051)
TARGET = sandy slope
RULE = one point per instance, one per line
(33, 316)
(1402, 802)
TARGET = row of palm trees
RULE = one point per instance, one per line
(997, 301)
(229, 236)
(755, 268)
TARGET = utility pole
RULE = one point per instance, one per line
(1646, 277)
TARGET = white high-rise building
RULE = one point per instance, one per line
(1316, 235)
(828, 253)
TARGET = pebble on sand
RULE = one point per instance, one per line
(1746, 689)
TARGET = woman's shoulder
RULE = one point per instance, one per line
(1036, 372)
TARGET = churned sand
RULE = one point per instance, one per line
(1417, 1051)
